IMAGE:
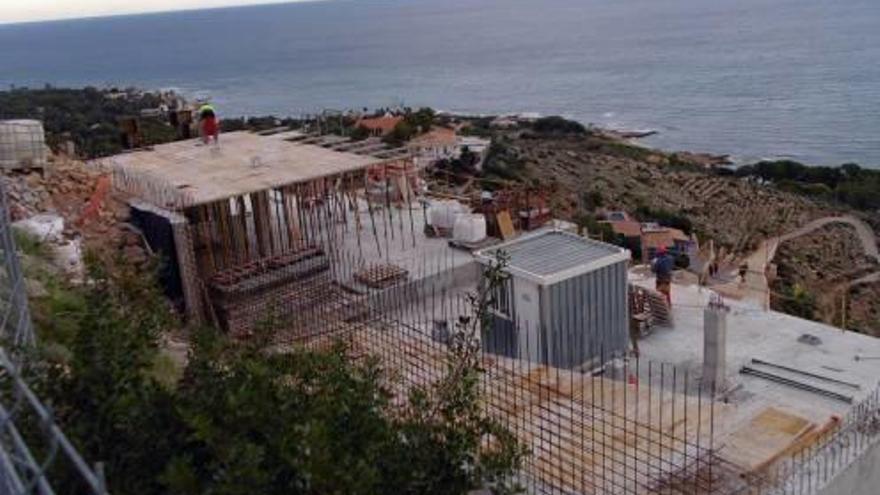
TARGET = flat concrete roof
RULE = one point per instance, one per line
(754, 333)
(192, 173)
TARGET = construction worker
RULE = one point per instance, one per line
(209, 124)
(743, 271)
(662, 268)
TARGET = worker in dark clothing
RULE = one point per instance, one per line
(743, 271)
(662, 267)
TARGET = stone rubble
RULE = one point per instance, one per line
(66, 188)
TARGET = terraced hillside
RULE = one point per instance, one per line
(816, 270)
(737, 213)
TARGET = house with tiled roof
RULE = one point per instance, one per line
(437, 144)
(380, 126)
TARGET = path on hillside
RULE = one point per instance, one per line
(863, 231)
(757, 287)
(867, 279)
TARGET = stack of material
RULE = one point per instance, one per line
(661, 313)
(244, 297)
(381, 276)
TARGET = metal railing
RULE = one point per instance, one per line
(32, 445)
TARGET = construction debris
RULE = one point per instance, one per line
(79, 199)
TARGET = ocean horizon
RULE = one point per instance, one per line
(753, 79)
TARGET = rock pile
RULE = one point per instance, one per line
(71, 190)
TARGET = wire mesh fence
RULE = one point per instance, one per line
(15, 326)
(33, 449)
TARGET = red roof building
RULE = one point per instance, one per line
(380, 126)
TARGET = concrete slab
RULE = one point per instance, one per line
(755, 333)
(191, 173)
(400, 240)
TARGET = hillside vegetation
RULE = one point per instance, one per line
(89, 116)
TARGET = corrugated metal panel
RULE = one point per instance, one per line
(586, 317)
(554, 252)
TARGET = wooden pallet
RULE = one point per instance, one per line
(381, 276)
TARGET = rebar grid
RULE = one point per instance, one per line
(612, 425)
(809, 469)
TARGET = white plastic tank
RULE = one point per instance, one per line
(469, 228)
(22, 144)
(442, 214)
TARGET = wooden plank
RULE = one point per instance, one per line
(505, 225)
(764, 437)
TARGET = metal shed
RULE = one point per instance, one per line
(565, 302)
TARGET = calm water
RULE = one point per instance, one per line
(752, 78)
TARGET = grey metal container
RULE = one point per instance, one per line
(565, 302)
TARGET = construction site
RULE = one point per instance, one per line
(343, 242)
(610, 388)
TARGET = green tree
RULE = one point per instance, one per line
(360, 133)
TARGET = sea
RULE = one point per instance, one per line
(754, 79)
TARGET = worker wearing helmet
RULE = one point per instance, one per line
(662, 267)
(210, 125)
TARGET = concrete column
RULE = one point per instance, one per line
(715, 346)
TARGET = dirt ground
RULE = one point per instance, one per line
(824, 264)
(864, 308)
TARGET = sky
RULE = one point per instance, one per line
(43, 10)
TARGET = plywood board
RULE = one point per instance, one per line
(505, 225)
(764, 437)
